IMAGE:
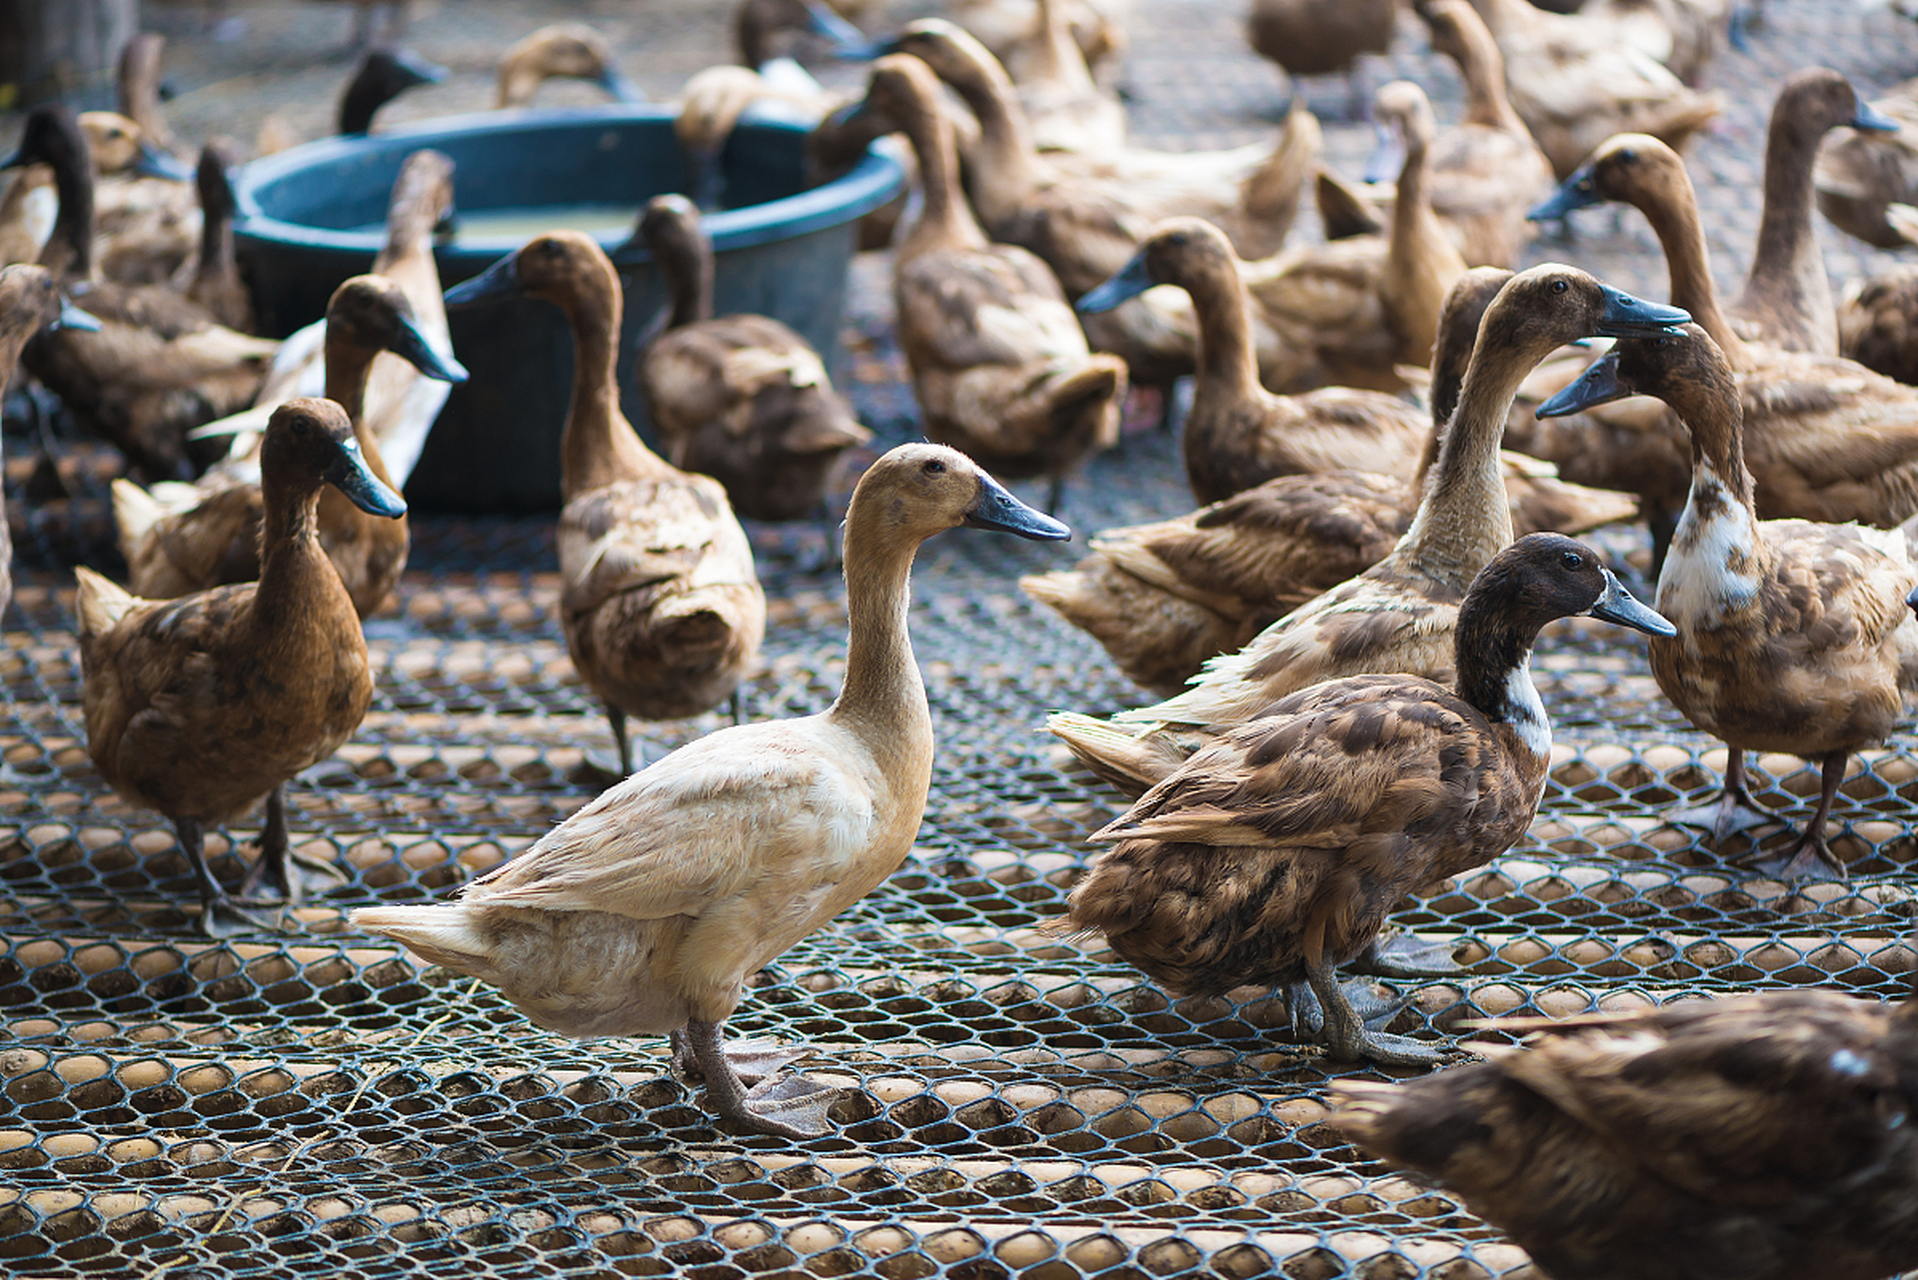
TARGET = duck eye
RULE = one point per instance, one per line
(1573, 560)
(1560, 286)
(935, 467)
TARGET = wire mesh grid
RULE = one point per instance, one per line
(1017, 1102)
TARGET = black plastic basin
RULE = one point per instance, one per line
(312, 216)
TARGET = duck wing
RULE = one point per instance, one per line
(983, 307)
(647, 533)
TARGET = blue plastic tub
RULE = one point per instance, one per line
(313, 216)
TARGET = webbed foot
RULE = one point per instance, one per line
(790, 1106)
(1375, 1011)
(1811, 859)
(1406, 955)
(751, 1060)
(1347, 1037)
(223, 917)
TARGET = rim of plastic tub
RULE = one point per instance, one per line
(876, 179)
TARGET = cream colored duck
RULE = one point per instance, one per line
(1878, 314)
(1012, 30)
(1276, 853)
(1792, 636)
(159, 364)
(199, 707)
(1576, 81)
(650, 909)
(1401, 614)
(999, 363)
(662, 611)
(1164, 598)
(1237, 434)
(563, 50)
(741, 398)
(146, 209)
(1755, 1137)
(1486, 171)
(1858, 175)
(28, 207)
(171, 551)
(401, 403)
(1825, 438)
(1067, 109)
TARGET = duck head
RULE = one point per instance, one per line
(564, 49)
(383, 75)
(1404, 122)
(762, 27)
(1816, 99)
(1552, 303)
(213, 177)
(1544, 576)
(312, 440)
(371, 312)
(1177, 250)
(118, 145)
(1635, 168)
(32, 300)
(553, 266)
(52, 137)
(952, 52)
(923, 489)
(1683, 368)
(1465, 306)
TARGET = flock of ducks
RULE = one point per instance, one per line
(1340, 631)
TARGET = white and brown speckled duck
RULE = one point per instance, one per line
(1761, 1137)
(1274, 854)
(1792, 635)
(650, 909)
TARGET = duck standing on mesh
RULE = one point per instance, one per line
(650, 909)
(1791, 635)
(198, 707)
(1763, 1137)
(1275, 853)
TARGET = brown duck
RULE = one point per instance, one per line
(661, 608)
(1760, 1137)
(201, 706)
(1275, 853)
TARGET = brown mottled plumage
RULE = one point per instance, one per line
(661, 608)
(201, 706)
(1275, 853)
(1400, 614)
(741, 398)
(1164, 598)
(1576, 81)
(159, 364)
(1792, 636)
(999, 364)
(1760, 1137)
(216, 540)
(1878, 314)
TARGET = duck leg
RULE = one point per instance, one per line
(1374, 1010)
(1405, 955)
(751, 1060)
(285, 875)
(1055, 495)
(1811, 858)
(788, 1106)
(1346, 1037)
(220, 916)
(1733, 811)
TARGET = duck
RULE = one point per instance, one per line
(1401, 614)
(30, 301)
(660, 605)
(28, 207)
(137, 80)
(1877, 313)
(1859, 174)
(650, 909)
(174, 549)
(1753, 1137)
(1792, 634)
(712, 103)
(562, 49)
(401, 403)
(1012, 30)
(382, 74)
(1357, 311)
(1273, 855)
(1576, 81)
(212, 278)
(146, 211)
(1825, 438)
(1323, 37)
(999, 365)
(159, 364)
(1067, 109)
(1486, 171)
(1166, 597)
(200, 707)
(741, 398)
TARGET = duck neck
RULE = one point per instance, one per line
(293, 568)
(1717, 558)
(1688, 262)
(1786, 260)
(1008, 158)
(945, 221)
(349, 367)
(1463, 518)
(1421, 262)
(599, 446)
(68, 253)
(216, 240)
(1227, 366)
(1482, 67)
(1493, 657)
(689, 281)
(1502, 17)
(879, 660)
(417, 204)
(1060, 61)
